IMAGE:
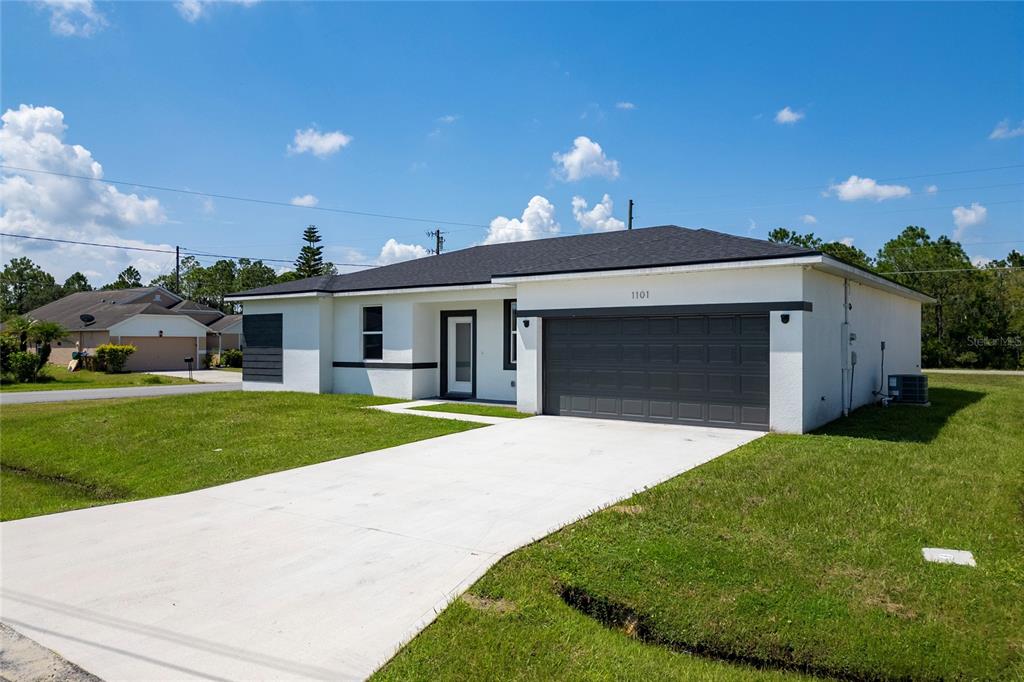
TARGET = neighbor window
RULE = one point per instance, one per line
(510, 333)
(373, 333)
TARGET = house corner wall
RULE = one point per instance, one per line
(529, 375)
(786, 371)
(302, 335)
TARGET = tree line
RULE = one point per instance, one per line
(977, 319)
(25, 286)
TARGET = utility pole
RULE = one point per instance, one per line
(438, 236)
(630, 214)
(177, 269)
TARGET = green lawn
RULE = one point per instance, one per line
(793, 553)
(482, 410)
(56, 378)
(60, 456)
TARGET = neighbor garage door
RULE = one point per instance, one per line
(154, 353)
(695, 369)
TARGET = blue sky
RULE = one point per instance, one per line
(467, 112)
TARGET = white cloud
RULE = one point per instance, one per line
(965, 217)
(597, 219)
(980, 261)
(931, 189)
(857, 188)
(786, 116)
(74, 17)
(192, 10)
(751, 226)
(808, 219)
(319, 144)
(448, 119)
(1003, 131)
(538, 220)
(41, 205)
(848, 241)
(307, 200)
(208, 206)
(628, 106)
(585, 159)
(395, 252)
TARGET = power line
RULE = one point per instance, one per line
(229, 197)
(187, 252)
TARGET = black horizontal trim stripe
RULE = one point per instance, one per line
(387, 365)
(660, 310)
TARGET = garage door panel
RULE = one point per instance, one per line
(691, 354)
(662, 382)
(661, 353)
(693, 369)
(754, 354)
(722, 326)
(719, 354)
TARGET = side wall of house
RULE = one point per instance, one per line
(874, 316)
(306, 343)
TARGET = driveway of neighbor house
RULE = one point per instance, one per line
(206, 376)
(322, 571)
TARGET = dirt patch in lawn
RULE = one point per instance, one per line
(499, 606)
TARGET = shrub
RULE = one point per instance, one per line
(113, 357)
(24, 366)
(231, 358)
(8, 346)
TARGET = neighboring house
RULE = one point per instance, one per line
(662, 324)
(164, 328)
(225, 334)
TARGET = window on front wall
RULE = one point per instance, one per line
(373, 333)
(510, 333)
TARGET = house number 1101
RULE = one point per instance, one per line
(637, 295)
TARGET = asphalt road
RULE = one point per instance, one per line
(23, 397)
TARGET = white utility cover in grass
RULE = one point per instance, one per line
(939, 555)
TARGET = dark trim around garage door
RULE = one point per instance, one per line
(656, 310)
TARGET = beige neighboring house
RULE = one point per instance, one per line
(226, 334)
(163, 327)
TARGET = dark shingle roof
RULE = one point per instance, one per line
(224, 322)
(642, 248)
(107, 308)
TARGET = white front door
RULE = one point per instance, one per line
(460, 355)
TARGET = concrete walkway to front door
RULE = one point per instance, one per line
(324, 571)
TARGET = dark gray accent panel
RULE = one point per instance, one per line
(387, 365)
(670, 310)
(709, 370)
(262, 359)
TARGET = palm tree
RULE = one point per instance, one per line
(17, 327)
(45, 333)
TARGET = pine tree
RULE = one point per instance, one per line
(310, 262)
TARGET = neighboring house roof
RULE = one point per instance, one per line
(624, 249)
(197, 311)
(107, 308)
(225, 323)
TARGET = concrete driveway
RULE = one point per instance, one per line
(324, 571)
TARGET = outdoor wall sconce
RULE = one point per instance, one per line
(161, 332)
(526, 323)
(785, 318)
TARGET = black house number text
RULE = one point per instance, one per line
(638, 295)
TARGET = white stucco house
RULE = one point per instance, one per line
(661, 324)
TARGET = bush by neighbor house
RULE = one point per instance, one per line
(231, 358)
(112, 357)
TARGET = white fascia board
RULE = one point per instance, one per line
(663, 270)
(194, 321)
(422, 290)
(838, 268)
(269, 297)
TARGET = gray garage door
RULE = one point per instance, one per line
(710, 370)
